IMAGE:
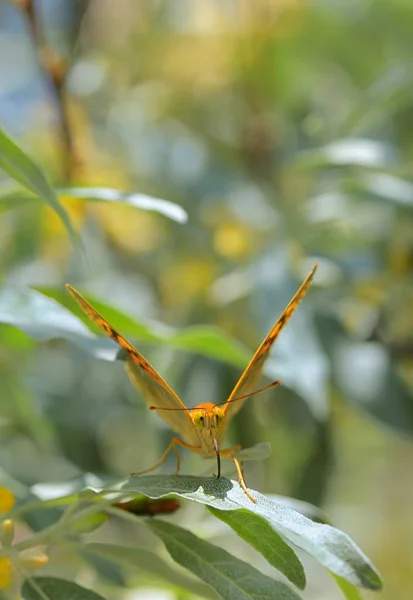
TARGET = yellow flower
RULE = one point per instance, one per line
(5, 572)
(233, 241)
(6, 500)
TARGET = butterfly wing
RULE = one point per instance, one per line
(153, 388)
(252, 373)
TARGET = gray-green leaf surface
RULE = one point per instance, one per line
(43, 318)
(330, 546)
(349, 591)
(231, 578)
(53, 588)
(258, 533)
(165, 207)
(23, 169)
(148, 562)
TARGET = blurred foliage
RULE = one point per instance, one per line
(282, 128)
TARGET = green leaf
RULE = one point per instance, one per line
(349, 591)
(105, 568)
(148, 562)
(359, 152)
(16, 163)
(386, 187)
(331, 547)
(232, 578)
(13, 198)
(34, 513)
(57, 493)
(164, 207)
(207, 340)
(90, 523)
(305, 508)
(43, 318)
(214, 342)
(53, 588)
(258, 533)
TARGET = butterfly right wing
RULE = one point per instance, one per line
(153, 388)
(252, 373)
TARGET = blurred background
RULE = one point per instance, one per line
(284, 129)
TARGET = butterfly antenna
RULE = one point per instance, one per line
(166, 408)
(267, 387)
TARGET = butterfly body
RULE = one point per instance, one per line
(200, 429)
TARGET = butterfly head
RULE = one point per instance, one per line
(208, 416)
(209, 421)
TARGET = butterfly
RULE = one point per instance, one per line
(202, 428)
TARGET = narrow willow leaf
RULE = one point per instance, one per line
(105, 568)
(392, 189)
(15, 197)
(305, 508)
(148, 562)
(359, 152)
(213, 341)
(16, 163)
(207, 340)
(349, 591)
(165, 207)
(54, 588)
(331, 547)
(258, 533)
(232, 578)
(90, 523)
(43, 318)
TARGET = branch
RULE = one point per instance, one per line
(56, 68)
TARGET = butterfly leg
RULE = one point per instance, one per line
(241, 479)
(172, 446)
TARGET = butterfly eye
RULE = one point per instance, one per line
(201, 421)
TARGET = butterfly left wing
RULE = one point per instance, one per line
(153, 388)
(252, 373)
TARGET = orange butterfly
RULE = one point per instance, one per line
(201, 428)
